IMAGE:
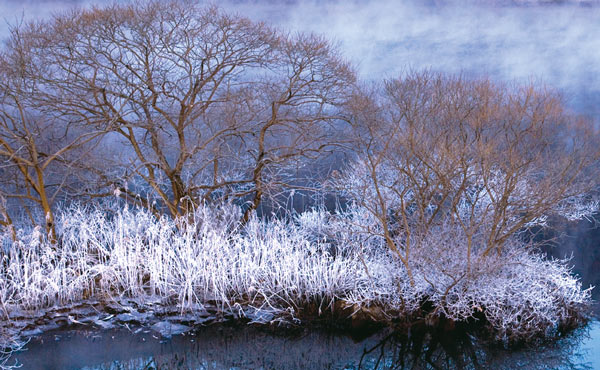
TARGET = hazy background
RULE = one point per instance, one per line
(557, 42)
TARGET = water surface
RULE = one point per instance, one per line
(227, 347)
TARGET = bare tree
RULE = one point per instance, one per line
(6, 221)
(491, 160)
(205, 104)
(37, 152)
(298, 112)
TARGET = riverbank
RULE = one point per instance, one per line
(131, 267)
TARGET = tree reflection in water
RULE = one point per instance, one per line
(460, 350)
(242, 347)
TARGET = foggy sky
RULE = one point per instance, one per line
(559, 45)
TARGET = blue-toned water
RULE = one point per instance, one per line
(225, 347)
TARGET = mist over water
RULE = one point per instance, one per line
(556, 42)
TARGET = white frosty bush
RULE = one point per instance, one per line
(206, 258)
(520, 294)
(312, 260)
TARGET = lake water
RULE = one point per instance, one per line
(227, 347)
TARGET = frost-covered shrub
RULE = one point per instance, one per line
(448, 171)
(207, 257)
(9, 343)
(313, 260)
